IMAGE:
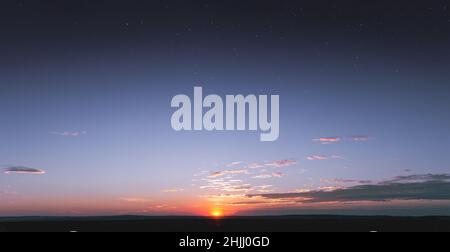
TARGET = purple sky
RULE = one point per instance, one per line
(86, 89)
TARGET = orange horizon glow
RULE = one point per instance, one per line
(216, 213)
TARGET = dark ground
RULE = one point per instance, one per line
(234, 224)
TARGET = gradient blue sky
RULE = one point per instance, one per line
(85, 97)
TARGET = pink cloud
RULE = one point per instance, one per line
(278, 174)
(333, 140)
(281, 163)
(317, 158)
(328, 140)
(322, 157)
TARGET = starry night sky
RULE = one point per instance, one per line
(85, 90)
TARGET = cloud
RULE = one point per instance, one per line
(278, 174)
(264, 188)
(23, 170)
(226, 185)
(252, 166)
(227, 172)
(268, 176)
(136, 200)
(333, 140)
(419, 178)
(322, 157)
(234, 164)
(328, 140)
(239, 188)
(414, 187)
(234, 180)
(173, 190)
(255, 166)
(281, 163)
(263, 176)
(317, 158)
(359, 138)
(69, 133)
(273, 164)
(346, 181)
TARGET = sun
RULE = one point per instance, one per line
(217, 213)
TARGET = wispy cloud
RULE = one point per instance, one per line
(239, 188)
(69, 133)
(264, 188)
(322, 157)
(415, 187)
(219, 174)
(136, 200)
(23, 170)
(233, 164)
(317, 158)
(268, 176)
(255, 166)
(239, 181)
(334, 140)
(281, 163)
(173, 190)
(419, 178)
(346, 181)
(328, 140)
(359, 138)
(228, 186)
(221, 184)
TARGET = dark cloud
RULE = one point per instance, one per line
(347, 181)
(23, 170)
(418, 178)
(415, 187)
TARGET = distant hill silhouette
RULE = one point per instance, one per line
(229, 224)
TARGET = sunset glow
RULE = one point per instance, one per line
(217, 213)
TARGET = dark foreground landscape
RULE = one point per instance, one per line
(232, 224)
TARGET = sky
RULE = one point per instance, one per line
(86, 90)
